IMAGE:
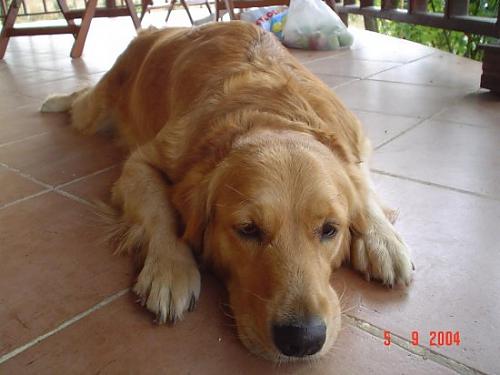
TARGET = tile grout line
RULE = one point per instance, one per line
(418, 350)
(421, 121)
(369, 78)
(54, 189)
(96, 173)
(22, 139)
(428, 183)
(74, 198)
(20, 200)
(333, 88)
(27, 176)
(64, 325)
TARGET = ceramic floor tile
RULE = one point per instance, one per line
(334, 81)
(348, 68)
(306, 56)
(27, 121)
(456, 286)
(400, 52)
(480, 108)
(42, 90)
(53, 266)
(15, 187)
(120, 338)
(16, 80)
(97, 187)
(12, 75)
(456, 155)
(67, 66)
(380, 127)
(397, 98)
(11, 101)
(53, 45)
(439, 69)
(61, 156)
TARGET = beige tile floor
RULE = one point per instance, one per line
(65, 306)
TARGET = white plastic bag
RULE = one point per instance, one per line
(261, 16)
(311, 24)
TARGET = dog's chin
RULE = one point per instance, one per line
(267, 351)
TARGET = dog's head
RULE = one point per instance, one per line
(272, 218)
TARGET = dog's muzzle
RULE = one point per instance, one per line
(300, 339)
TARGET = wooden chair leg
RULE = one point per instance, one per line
(170, 8)
(183, 2)
(230, 9)
(8, 24)
(133, 14)
(63, 5)
(331, 4)
(77, 49)
(3, 7)
(145, 8)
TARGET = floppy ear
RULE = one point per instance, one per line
(358, 200)
(358, 190)
(191, 199)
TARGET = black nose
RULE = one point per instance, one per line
(300, 339)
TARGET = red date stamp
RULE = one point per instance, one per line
(434, 338)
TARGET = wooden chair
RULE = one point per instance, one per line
(231, 5)
(79, 31)
(186, 5)
(148, 4)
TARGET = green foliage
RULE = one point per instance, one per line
(464, 44)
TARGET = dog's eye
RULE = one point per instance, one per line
(249, 231)
(328, 231)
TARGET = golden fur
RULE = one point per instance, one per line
(229, 133)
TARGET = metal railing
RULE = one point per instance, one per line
(455, 16)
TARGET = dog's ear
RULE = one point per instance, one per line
(191, 199)
(358, 200)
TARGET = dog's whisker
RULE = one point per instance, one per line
(266, 300)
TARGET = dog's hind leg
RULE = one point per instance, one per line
(60, 103)
(88, 108)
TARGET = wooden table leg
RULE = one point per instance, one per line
(77, 49)
(9, 21)
(133, 14)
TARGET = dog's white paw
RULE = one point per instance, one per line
(381, 254)
(61, 103)
(57, 103)
(169, 287)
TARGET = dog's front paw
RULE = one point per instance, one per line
(381, 254)
(169, 286)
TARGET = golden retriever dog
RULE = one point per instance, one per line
(240, 155)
